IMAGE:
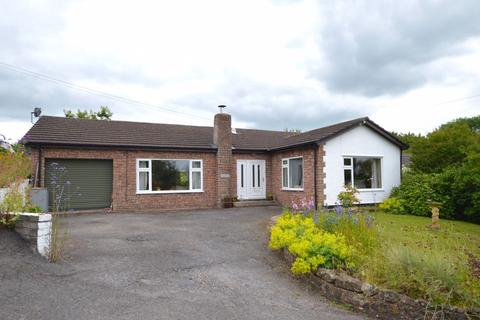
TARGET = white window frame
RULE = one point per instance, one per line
(287, 165)
(149, 170)
(350, 167)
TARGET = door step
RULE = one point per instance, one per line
(254, 203)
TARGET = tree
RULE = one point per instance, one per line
(103, 114)
(448, 145)
(409, 138)
(446, 168)
(473, 123)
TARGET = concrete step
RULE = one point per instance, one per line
(254, 203)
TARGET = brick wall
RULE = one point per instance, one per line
(124, 195)
(285, 197)
(222, 137)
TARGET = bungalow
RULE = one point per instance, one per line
(140, 166)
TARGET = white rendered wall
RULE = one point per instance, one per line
(360, 141)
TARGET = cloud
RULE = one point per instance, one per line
(264, 105)
(390, 47)
(276, 63)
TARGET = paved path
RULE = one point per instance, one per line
(210, 264)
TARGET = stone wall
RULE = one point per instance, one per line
(36, 229)
(376, 302)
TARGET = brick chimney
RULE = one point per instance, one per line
(222, 138)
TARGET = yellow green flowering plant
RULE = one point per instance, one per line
(312, 246)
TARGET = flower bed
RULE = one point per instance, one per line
(349, 246)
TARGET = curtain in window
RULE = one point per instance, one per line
(196, 180)
(296, 173)
(376, 174)
(143, 181)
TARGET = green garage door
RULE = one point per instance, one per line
(79, 183)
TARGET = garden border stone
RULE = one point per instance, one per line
(376, 302)
(36, 229)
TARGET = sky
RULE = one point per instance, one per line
(408, 65)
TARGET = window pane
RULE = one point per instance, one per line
(170, 175)
(196, 164)
(366, 173)
(143, 181)
(347, 161)
(253, 175)
(196, 180)
(285, 177)
(296, 173)
(285, 162)
(258, 176)
(241, 174)
(143, 164)
(347, 176)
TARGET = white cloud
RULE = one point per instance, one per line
(277, 64)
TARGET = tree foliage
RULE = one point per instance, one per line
(103, 114)
(449, 145)
(409, 138)
(446, 168)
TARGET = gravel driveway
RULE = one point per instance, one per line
(205, 264)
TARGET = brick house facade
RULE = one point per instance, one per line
(216, 150)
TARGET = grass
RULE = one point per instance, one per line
(425, 263)
(454, 238)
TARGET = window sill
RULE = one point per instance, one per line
(371, 190)
(292, 189)
(169, 192)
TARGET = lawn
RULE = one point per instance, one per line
(453, 240)
(441, 266)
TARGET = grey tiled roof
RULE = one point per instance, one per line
(82, 132)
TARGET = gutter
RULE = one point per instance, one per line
(120, 147)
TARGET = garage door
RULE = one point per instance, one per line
(79, 183)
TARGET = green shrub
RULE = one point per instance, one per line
(393, 205)
(415, 192)
(312, 247)
(33, 209)
(9, 219)
(13, 166)
(14, 201)
(12, 204)
(460, 188)
(349, 197)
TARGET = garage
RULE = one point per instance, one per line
(79, 184)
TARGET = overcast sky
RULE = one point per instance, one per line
(408, 65)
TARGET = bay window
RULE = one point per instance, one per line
(169, 176)
(363, 172)
(292, 173)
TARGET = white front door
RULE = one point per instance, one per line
(251, 179)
